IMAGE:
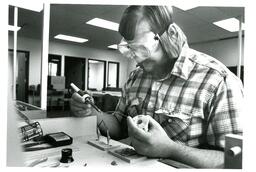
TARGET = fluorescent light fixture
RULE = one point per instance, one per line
(70, 38)
(231, 24)
(13, 28)
(114, 46)
(29, 5)
(185, 6)
(104, 24)
(94, 61)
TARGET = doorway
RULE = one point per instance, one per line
(22, 76)
(75, 71)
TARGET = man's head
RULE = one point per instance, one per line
(143, 28)
(158, 17)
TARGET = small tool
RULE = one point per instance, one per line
(98, 133)
(28, 149)
(55, 164)
(108, 137)
(28, 145)
(38, 161)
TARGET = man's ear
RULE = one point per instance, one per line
(171, 30)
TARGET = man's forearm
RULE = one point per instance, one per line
(109, 121)
(198, 158)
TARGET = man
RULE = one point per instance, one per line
(192, 100)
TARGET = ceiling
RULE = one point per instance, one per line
(70, 20)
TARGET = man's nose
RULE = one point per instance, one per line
(138, 58)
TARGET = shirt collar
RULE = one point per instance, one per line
(183, 66)
(178, 48)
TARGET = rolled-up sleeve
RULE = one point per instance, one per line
(225, 111)
(123, 101)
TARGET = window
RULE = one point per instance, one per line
(96, 75)
(54, 65)
(113, 75)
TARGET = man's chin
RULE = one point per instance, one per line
(147, 69)
(147, 66)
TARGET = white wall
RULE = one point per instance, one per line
(225, 51)
(132, 65)
(34, 47)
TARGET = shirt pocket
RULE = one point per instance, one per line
(176, 124)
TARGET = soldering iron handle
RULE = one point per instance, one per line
(85, 97)
(76, 89)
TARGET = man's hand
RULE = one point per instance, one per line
(154, 143)
(78, 108)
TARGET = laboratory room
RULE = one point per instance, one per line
(103, 85)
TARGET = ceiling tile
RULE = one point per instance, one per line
(70, 20)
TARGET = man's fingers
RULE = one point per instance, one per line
(77, 98)
(78, 108)
(132, 111)
(138, 145)
(76, 104)
(152, 123)
(77, 101)
(134, 131)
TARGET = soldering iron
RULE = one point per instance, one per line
(86, 98)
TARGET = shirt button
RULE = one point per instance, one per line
(150, 105)
(169, 120)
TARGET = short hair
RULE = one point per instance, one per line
(159, 18)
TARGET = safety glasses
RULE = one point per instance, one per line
(141, 47)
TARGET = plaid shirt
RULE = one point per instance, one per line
(202, 97)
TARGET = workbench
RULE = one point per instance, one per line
(85, 155)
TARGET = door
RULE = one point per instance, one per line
(22, 75)
(75, 71)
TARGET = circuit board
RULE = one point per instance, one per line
(127, 154)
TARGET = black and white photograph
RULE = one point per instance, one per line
(158, 85)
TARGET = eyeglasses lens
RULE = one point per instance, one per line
(134, 50)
